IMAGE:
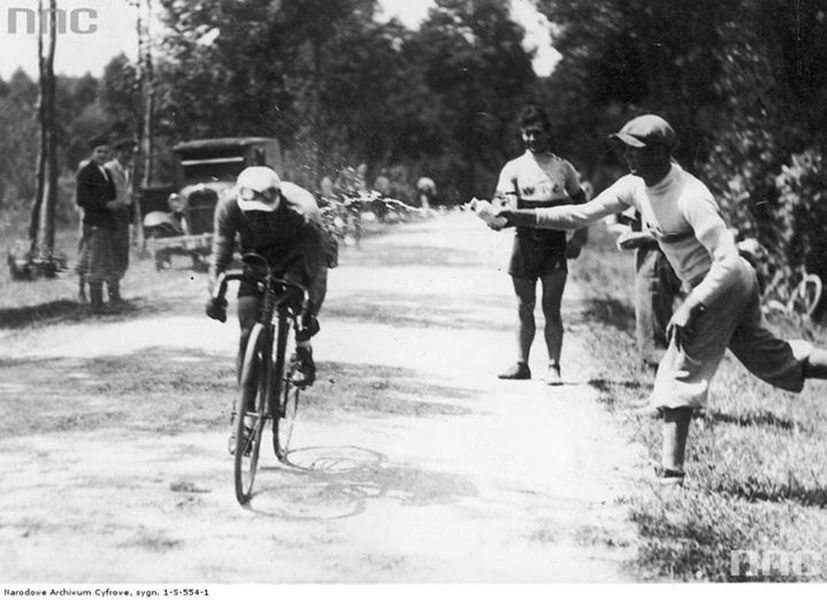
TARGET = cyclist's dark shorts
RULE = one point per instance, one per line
(538, 253)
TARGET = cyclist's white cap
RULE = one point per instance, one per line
(250, 184)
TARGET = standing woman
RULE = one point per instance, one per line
(539, 179)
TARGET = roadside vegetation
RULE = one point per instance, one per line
(756, 462)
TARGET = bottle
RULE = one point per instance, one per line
(485, 210)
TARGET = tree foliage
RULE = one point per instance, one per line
(742, 81)
(339, 88)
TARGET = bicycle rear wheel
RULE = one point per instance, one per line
(286, 392)
(807, 296)
(251, 412)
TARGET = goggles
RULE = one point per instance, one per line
(264, 200)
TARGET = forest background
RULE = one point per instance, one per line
(742, 81)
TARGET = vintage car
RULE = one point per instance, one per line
(178, 218)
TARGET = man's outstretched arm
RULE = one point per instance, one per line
(567, 217)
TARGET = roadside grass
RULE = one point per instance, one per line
(756, 458)
(43, 301)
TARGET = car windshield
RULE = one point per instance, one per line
(205, 169)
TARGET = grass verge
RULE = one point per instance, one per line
(756, 458)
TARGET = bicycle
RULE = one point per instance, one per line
(801, 301)
(267, 391)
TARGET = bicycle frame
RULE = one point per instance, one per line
(276, 314)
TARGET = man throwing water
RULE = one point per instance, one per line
(723, 309)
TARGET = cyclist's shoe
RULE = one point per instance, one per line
(518, 370)
(248, 441)
(553, 375)
(308, 329)
(303, 372)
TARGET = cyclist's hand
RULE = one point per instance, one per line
(217, 309)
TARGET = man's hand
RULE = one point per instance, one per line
(573, 249)
(217, 309)
(682, 323)
(487, 212)
(575, 244)
(634, 239)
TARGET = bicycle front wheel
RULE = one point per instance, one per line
(287, 393)
(251, 412)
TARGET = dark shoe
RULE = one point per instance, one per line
(247, 441)
(96, 298)
(304, 368)
(553, 375)
(669, 477)
(519, 370)
(310, 328)
(114, 288)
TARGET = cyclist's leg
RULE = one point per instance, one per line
(248, 305)
(247, 308)
(554, 283)
(317, 288)
(526, 291)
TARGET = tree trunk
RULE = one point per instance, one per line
(149, 101)
(137, 92)
(34, 220)
(50, 179)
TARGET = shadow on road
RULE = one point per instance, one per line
(373, 390)
(336, 482)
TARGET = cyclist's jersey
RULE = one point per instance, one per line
(289, 235)
(539, 181)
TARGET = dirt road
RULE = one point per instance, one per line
(413, 463)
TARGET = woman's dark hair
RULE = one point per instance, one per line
(532, 114)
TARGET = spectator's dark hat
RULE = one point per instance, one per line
(99, 140)
(646, 131)
(124, 143)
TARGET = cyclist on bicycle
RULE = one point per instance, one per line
(280, 221)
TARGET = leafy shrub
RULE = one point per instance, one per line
(801, 214)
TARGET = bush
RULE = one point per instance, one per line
(801, 214)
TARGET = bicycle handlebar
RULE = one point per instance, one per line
(223, 279)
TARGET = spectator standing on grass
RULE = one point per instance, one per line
(382, 184)
(656, 288)
(97, 197)
(723, 308)
(537, 179)
(426, 192)
(327, 195)
(120, 168)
